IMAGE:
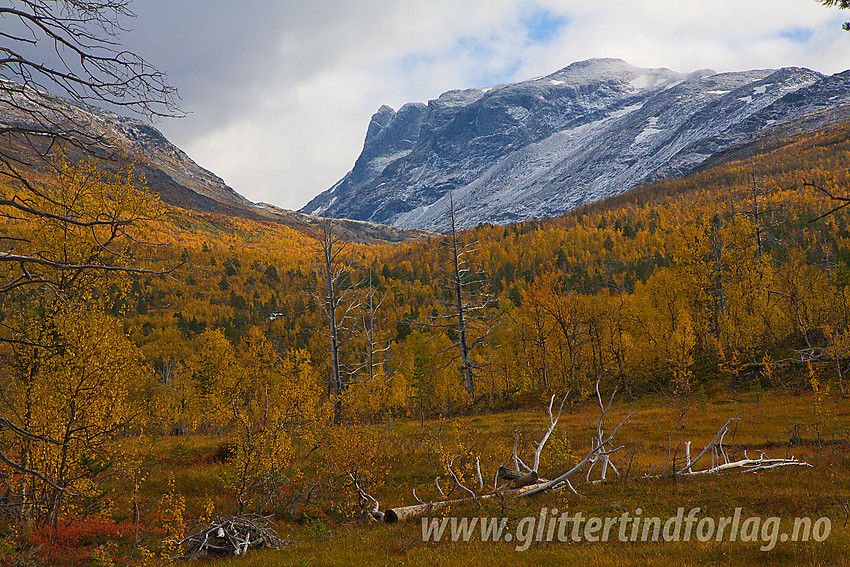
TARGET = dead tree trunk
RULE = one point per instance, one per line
(467, 308)
(457, 282)
(336, 300)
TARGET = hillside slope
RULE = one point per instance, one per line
(168, 170)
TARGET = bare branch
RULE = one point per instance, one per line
(552, 423)
(375, 512)
(717, 439)
(440, 490)
(38, 474)
(457, 480)
(594, 452)
(845, 201)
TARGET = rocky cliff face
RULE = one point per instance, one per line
(539, 148)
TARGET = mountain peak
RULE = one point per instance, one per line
(599, 62)
(542, 147)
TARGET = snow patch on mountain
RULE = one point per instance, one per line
(649, 131)
(539, 148)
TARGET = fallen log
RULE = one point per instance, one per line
(404, 513)
(505, 473)
(752, 465)
(525, 480)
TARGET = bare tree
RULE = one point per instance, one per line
(337, 298)
(70, 48)
(466, 309)
(523, 480)
(374, 342)
(461, 282)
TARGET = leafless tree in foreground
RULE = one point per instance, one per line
(69, 48)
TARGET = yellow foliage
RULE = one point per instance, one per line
(74, 398)
(348, 455)
(261, 402)
(172, 507)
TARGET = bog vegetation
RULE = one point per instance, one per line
(162, 367)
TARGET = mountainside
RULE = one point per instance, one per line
(168, 170)
(542, 147)
(39, 111)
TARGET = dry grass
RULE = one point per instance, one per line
(764, 426)
(411, 457)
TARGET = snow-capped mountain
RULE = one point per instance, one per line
(542, 147)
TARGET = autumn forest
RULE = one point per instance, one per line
(280, 349)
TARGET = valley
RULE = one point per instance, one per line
(174, 353)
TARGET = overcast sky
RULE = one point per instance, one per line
(280, 92)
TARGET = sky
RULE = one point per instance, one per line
(279, 93)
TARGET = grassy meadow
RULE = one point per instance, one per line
(669, 290)
(187, 468)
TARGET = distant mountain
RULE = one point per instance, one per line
(168, 170)
(542, 147)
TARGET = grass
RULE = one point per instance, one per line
(649, 439)
(765, 425)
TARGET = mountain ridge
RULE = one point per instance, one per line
(167, 169)
(541, 147)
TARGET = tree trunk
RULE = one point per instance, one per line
(466, 362)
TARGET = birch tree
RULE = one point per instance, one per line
(73, 229)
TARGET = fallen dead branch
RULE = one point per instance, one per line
(230, 535)
(721, 462)
(718, 452)
(404, 513)
(367, 500)
(523, 480)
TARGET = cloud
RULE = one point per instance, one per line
(281, 92)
